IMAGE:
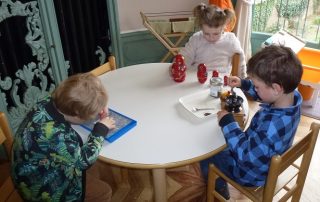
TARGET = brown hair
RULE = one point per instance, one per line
(81, 95)
(276, 64)
(212, 15)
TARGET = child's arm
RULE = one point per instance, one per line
(245, 84)
(88, 153)
(257, 144)
(84, 156)
(248, 87)
(243, 67)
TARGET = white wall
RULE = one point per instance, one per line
(129, 10)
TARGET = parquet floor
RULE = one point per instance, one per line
(186, 184)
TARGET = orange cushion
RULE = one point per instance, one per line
(225, 4)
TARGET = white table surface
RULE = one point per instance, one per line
(166, 134)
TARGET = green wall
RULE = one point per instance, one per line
(142, 47)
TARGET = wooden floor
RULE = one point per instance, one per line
(186, 183)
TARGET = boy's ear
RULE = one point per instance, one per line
(278, 89)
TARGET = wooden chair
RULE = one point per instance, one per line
(7, 189)
(235, 64)
(285, 173)
(106, 67)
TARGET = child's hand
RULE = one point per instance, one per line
(221, 114)
(108, 121)
(234, 81)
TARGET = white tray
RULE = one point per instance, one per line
(201, 99)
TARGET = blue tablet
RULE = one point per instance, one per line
(122, 122)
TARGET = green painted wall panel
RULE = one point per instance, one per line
(141, 47)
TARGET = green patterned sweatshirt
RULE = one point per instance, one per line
(49, 157)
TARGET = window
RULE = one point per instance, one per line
(299, 17)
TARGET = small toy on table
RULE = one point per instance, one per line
(202, 73)
(178, 69)
(231, 102)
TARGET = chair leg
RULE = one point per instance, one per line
(211, 185)
(297, 195)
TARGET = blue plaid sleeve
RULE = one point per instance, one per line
(260, 142)
(248, 87)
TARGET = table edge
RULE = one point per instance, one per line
(166, 165)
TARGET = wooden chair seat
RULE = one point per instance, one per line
(284, 180)
(7, 190)
(4, 170)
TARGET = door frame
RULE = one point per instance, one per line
(114, 27)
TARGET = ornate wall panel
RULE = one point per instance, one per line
(26, 74)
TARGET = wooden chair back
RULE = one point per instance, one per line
(106, 67)
(7, 132)
(235, 64)
(7, 189)
(287, 173)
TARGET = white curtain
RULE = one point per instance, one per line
(242, 29)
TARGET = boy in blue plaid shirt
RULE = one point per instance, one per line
(274, 73)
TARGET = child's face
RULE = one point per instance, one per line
(212, 34)
(265, 92)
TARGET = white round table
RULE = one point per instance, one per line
(166, 135)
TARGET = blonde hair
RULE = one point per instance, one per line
(81, 95)
(212, 15)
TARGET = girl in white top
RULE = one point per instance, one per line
(211, 45)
